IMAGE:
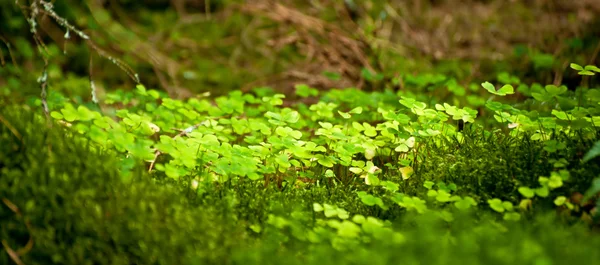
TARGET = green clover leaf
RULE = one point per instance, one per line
(512, 216)
(526, 192)
(503, 91)
(560, 200)
(496, 205)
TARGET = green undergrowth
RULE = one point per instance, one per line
(355, 176)
(64, 201)
(389, 147)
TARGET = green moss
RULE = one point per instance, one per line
(496, 165)
(80, 211)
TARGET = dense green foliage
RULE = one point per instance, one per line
(317, 182)
(80, 210)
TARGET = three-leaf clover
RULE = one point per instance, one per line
(405, 145)
(549, 92)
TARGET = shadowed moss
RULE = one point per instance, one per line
(79, 211)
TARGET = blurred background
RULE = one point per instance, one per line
(188, 47)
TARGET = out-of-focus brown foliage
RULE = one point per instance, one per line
(471, 30)
(242, 44)
(476, 29)
(326, 47)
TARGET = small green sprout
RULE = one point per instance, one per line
(503, 91)
(587, 70)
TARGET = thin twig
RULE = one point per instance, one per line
(29, 245)
(92, 85)
(10, 53)
(49, 9)
(2, 62)
(43, 80)
(11, 128)
(13, 207)
(122, 65)
(12, 254)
